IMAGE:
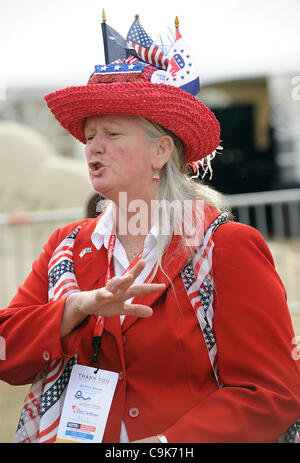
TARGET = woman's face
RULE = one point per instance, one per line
(119, 156)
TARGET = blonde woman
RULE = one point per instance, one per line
(161, 289)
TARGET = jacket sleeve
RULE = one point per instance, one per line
(260, 398)
(30, 326)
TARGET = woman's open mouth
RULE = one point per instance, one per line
(96, 168)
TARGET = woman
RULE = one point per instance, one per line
(197, 327)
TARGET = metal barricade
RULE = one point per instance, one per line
(22, 237)
(276, 214)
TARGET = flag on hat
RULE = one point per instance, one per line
(142, 43)
(115, 46)
(182, 70)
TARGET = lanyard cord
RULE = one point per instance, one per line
(98, 330)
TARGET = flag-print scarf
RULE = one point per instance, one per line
(43, 404)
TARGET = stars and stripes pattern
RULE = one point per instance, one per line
(42, 408)
(130, 60)
(144, 47)
(61, 276)
(198, 282)
(177, 69)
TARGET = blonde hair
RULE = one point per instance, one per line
(179, 191)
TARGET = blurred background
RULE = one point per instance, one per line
(248, 54)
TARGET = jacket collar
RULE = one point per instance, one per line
(90, 269)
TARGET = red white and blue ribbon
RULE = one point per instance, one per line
(42, 407)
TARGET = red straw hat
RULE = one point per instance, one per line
(136, 88)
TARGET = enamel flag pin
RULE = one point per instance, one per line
(85, 251)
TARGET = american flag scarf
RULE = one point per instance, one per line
(43, 404)
(199, 285)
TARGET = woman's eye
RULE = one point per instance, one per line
(113, 134)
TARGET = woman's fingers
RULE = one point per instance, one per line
(123, 282)
(124, 290)
(137, 310)
(137, 269)
(111, 300)
(144, 288)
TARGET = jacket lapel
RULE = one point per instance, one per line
(89, 263)
(90, 268)
(172, 263)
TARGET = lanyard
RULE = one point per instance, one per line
(110, 251)
(98, 330)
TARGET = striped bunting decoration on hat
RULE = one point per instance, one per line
(121, 68)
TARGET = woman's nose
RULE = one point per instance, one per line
(96, 145)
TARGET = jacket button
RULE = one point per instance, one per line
(121, 376)
(123, 339)
(134, 412)
(46, 356)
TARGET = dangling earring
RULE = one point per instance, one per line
(155, 177)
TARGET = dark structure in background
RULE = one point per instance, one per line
(242, 167)
(248, 160)
(252, 121)
(253, 151)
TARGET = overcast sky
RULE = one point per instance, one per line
(58, 42)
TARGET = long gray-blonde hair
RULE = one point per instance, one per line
(177, 194)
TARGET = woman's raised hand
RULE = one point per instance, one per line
(109, 300)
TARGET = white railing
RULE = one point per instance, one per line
(275, 214)
(22, 237)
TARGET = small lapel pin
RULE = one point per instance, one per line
(85, 251)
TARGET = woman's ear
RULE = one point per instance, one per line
(164, 148)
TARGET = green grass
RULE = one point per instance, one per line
(11, 402)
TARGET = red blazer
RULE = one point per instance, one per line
(166, 384)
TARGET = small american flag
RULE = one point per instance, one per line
(61, 276)
(144, 47)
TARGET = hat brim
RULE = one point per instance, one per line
(172, 108)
